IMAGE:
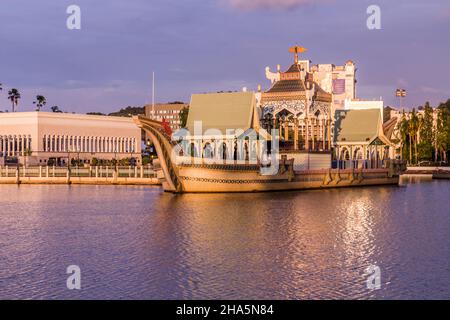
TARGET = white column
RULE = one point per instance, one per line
(15, 148)
(23, 146)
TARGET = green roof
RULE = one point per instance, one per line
(222, 111)
(357, 125)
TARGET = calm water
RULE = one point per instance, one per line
(137, 242)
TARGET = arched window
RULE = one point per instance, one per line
(208, 151)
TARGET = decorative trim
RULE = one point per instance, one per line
(229, 181)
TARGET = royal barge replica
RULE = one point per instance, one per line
(294, 136)
(191, 175)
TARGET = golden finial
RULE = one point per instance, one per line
(296, 50)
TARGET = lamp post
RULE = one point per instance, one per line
(401, 94)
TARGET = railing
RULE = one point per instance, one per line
(143, 172)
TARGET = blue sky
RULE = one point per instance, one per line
(211, 45)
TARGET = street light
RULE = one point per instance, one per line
(400, 93)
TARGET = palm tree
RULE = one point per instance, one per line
(415, 126)
(443, 133)
(404, 125)
(14, 96)
(40, 102)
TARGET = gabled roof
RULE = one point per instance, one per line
(389, 128)
(357, 126)
(222, 111)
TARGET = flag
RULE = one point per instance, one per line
(166, 127)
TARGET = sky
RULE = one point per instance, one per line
(196, 46)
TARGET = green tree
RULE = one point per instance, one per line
(40, 102)
(56, 109)
(129, 112)
(443, 133)
(404, 134)
(426, 133)
(414, 125)
(14, 97)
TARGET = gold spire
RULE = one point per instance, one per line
(296, 50)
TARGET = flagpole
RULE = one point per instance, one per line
(153, 96)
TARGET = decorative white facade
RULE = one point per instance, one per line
(339, 81)
(36, 137)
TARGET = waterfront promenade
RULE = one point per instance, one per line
(94, 175)
(426, 171)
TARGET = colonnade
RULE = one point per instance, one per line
(15, 145)
(361, 154)
(309, 133)
(68, 143)
(226, 149)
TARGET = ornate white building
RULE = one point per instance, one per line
(299, 107)
(316, 111)
(36, 137)
(339, 81)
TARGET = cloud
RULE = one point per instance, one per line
(269, 4)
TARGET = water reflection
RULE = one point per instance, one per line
(137, 242)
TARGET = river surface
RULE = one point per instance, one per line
(139, 243)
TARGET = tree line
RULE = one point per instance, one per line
(425, 135)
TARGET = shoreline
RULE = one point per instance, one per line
(80, 181)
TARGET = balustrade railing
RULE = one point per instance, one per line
(143, 172)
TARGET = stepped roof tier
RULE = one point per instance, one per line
(294, 85)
